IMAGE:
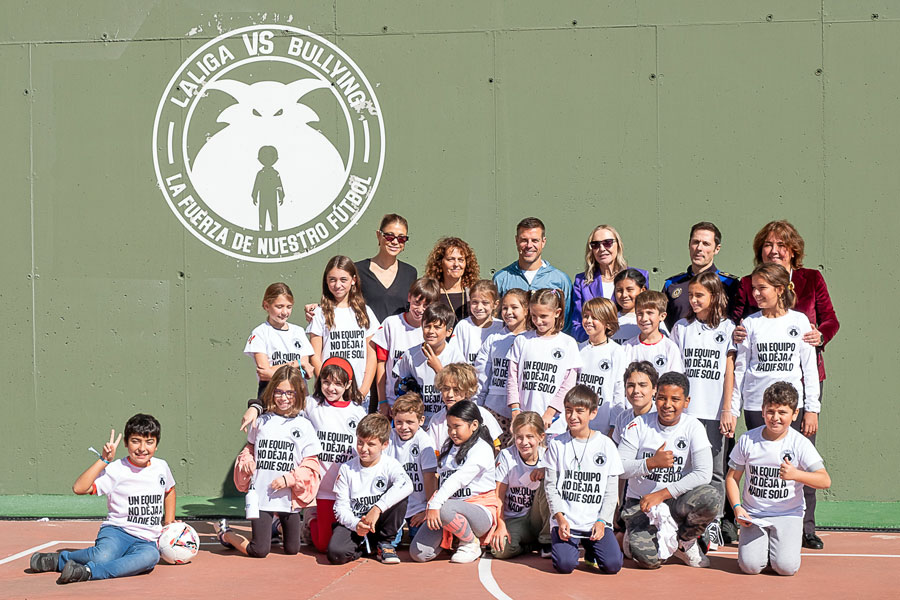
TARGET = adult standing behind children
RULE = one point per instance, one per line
(704, 243)
(780, 242)
(531, 271)
(453, 265)
(604, 258)
(384, 279)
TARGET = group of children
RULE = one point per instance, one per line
(506, 433)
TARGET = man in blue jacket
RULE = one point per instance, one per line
(531, 272)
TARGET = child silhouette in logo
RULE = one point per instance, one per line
(268, 193)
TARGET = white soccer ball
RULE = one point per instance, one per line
(178, 543)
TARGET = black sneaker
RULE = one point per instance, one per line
(812, 541)
(45, 562)
(387, 554)
(73, 572)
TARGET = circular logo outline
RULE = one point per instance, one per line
(160, 152)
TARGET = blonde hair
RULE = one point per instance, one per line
(466, 378)
(277, 289)
(590, 265)
(527, 418)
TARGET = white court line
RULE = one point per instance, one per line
(487, 579)
(804, 555)
(41, 547)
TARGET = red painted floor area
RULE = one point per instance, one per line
(219, 573)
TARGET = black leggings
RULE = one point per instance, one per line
(261, 542)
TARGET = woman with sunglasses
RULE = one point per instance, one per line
(384, 278)
(604, 258)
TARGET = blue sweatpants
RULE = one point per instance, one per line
(606, 551)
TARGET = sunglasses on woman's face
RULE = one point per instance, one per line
(390, 237)
(595, 244)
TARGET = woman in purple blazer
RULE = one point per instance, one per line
(604, 257)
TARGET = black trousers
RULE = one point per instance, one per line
(346, 545)
(261, 543)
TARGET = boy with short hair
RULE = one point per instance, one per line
(581, 479)
(779, 461)
(399, 333)
(667, 459)
(416, 369)
(140, 493)
(414, 450)
(371, 494)
(455, 382)
(650, 344)
(640, 390)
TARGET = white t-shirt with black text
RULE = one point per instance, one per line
(460, 481)
(279, 444)
(516, 474)
(357, 488)
(417, 457)
(280, 345)
(492, 366)
(664, 355)
(543, 363)
(395, 336)
(765, 494)
(583, 469)
(774, 351)
(336, 429)
(469, 337)
(135, 495)
(346, 339)
(603, 370)
(704, 350)
(414, 364)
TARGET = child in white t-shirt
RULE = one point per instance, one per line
(140, 492)
(276, 342)
(414, 450)
(667, 460)
(627, 285)
(604, 362)
(471, 333)
(526, 516)
(335, 410)
(650, 344)
(704, 338)
(779, 461)
(399, 333)
(458, 381)
(342, 324)
(640, 391)
(278, 468)
(417, 368)
(371, 493)
(543, 363)
(492, 360)
(464, 506)
(582, 469)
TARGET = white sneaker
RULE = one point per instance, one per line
(713, 535)
(467, 552)
(690, 554)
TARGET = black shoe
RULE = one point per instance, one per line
(44, 562)
(812, 541)
(73, 572)
(729, 532)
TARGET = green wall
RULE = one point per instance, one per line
(649, 115)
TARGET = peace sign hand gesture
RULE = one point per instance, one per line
(109, 448)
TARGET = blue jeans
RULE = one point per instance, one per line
(605, 551)
(116, 553)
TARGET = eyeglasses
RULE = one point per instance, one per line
(289, 394)
(390, 237)
(595, 244)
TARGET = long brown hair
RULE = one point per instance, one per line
(298, 384)
(553, 298)
(777, 276)
(718, 304)
(354, 296)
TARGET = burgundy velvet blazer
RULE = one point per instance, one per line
(812, 300)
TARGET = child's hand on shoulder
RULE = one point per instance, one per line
(109, 448)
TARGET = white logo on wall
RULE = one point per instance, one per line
(268, 143)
